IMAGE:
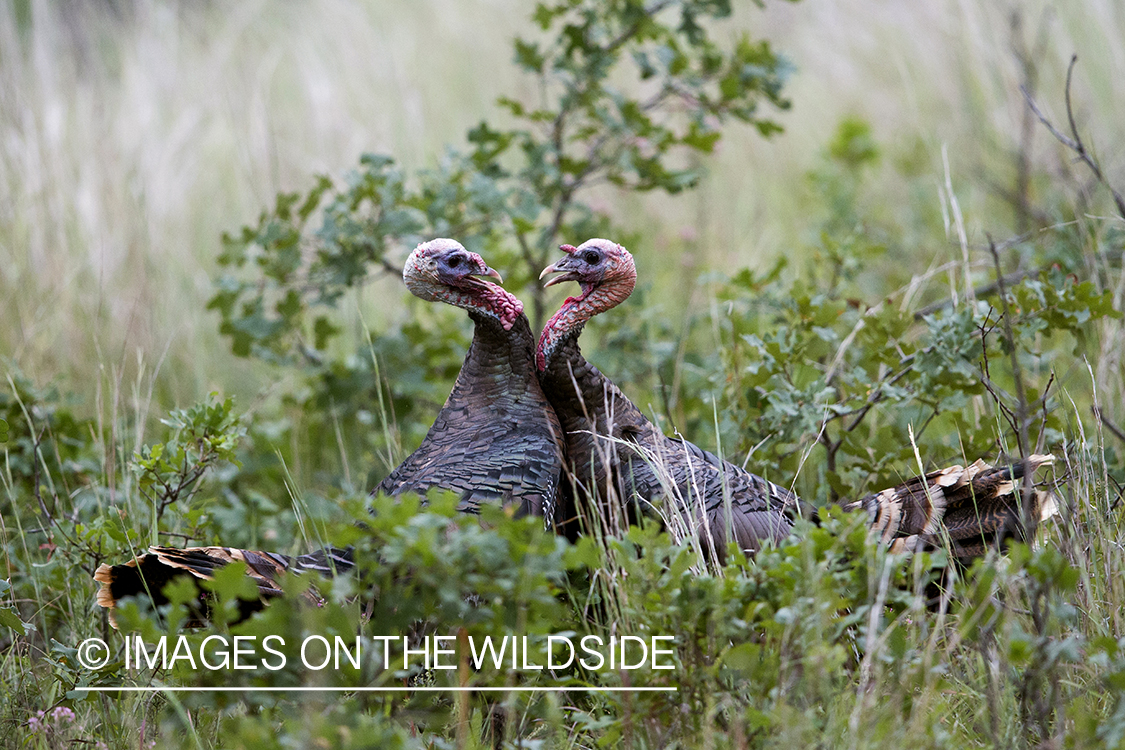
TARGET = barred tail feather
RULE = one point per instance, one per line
(974, 508)
(990, 512)
(149, 573)
(916, 506)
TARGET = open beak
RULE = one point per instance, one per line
(558, 267)
(486, 271)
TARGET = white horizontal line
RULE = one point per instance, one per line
(420, 689)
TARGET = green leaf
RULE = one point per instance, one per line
(10, 618)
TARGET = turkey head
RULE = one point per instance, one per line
(442, 270)
(606, 274)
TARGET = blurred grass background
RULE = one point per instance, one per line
(133, 134)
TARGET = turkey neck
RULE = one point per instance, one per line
(499, 364)
(588, 404)
(562, 366)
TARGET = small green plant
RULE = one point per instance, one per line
(205, 436)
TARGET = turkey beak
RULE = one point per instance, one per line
(559, 267)
(486, 271)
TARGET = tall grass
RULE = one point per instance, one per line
(133, 135)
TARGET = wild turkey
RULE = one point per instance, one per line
(619, 459)
(496, 439)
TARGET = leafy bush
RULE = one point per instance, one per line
(835, 374)
(515, 195)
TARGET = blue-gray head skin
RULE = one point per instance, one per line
(442, 270)
(606, 275)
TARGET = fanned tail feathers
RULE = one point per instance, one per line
(973, 507)
(149, 573)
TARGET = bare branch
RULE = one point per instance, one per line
(1074, 140)
(1012, 278)
(1022, 410)
(1114, 429)
(985, 290)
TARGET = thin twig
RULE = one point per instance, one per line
(1011, 278)
(1023, 415)
(1074, 141)
(1117, 431)
(998, 396)
(185, 537)
(985, 290)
